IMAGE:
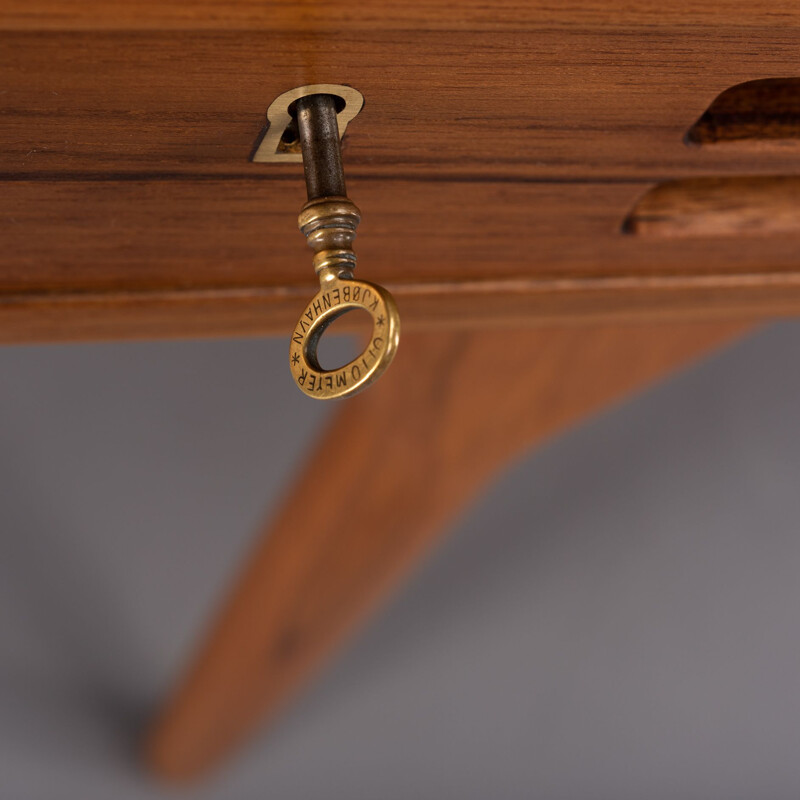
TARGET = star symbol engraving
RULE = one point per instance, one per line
(295, 358)
(380, 321)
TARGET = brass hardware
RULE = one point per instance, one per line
(281, 142)
(328, 221)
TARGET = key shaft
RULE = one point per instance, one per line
(322, 152)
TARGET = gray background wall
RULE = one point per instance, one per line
(616, 618)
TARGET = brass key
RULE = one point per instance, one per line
(329, 220)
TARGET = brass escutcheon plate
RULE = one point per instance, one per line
(270, 149)
(336, 297)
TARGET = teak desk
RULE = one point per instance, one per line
(568, 200)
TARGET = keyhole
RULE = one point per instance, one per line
(290, 136)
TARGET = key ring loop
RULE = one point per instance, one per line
(336, 297)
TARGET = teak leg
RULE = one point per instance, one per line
(395, 466)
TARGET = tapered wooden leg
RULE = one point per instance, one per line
(397, 463)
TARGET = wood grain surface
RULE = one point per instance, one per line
(540, 102)
(500, 149)
(511, 15)
(397, 463)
